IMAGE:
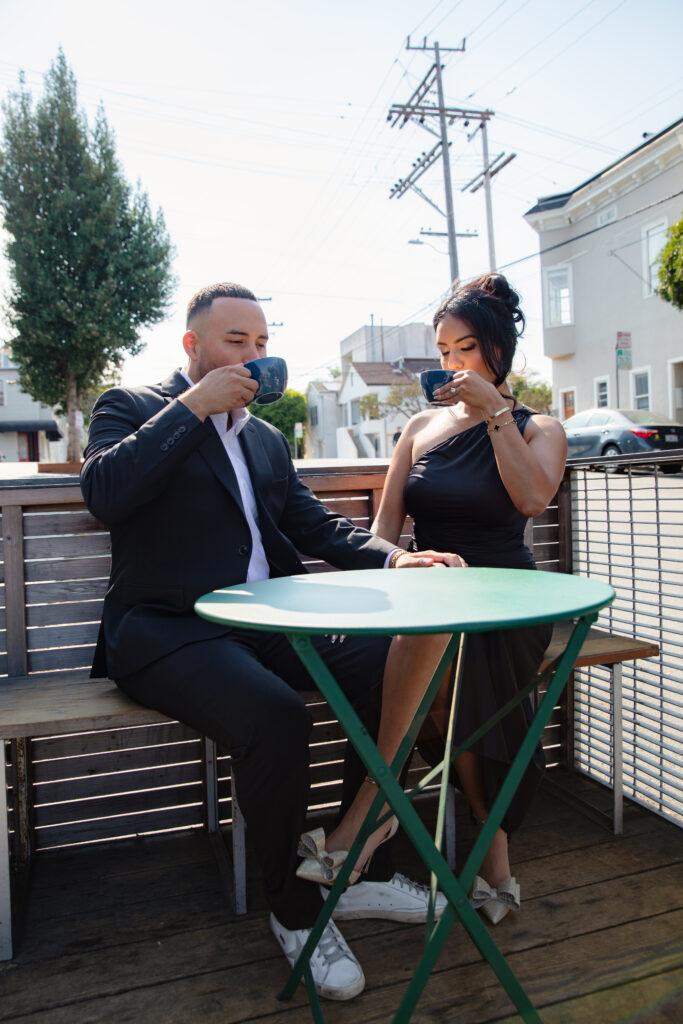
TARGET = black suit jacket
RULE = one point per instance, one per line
(160, 479)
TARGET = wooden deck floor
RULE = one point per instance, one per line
(140, 932)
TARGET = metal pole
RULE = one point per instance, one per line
(487, 191)
(448, 188)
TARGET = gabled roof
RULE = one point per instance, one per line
(381, 373)
(390, 373)
(562, 198)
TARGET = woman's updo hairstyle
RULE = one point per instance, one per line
(491, 308)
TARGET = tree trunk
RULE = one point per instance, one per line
(73, 450)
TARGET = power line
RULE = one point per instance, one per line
(593, 231)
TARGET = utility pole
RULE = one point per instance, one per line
(421, 109)
(484, 178)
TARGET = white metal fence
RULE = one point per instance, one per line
(627, 529)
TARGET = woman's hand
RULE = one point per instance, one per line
(417, 559)
(469, 387)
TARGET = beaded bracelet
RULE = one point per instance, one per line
(493, 416)
(395, 557)
(499, 426)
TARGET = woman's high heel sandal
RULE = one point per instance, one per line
(323, 867)
(495, 903)
(318, 865)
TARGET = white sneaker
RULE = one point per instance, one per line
(396, 900)
(336, 972)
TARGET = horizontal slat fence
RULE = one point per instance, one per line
(93, 787)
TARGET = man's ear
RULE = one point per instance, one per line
(190, 342)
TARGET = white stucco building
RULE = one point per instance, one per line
(29, 431)
(600, 244)
(373, 359)
(324, 416)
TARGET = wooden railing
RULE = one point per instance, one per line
(91, 787)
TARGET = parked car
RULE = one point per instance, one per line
(616, 431)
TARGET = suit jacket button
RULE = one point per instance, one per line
(164, 447)
(243, 549)
(177, 434)
(182, 429)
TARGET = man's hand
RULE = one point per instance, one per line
(418, 559)
(220, 390)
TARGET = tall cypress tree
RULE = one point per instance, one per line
(90, 264)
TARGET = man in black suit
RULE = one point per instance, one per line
(198, 494)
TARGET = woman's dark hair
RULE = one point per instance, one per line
(491, 308)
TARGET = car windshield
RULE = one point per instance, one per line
(647, 418)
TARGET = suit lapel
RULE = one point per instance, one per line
(257, 460)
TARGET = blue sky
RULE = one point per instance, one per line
(261, 131)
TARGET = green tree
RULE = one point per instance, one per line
(403, 398)
(671, 267)
(369, 406)
(89, 263)
(530, 389)
(284, 414)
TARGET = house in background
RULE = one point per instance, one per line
(29, 431)
(323, 419)
(600, 246)
(374, 359)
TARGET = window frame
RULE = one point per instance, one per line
(639, 371)
(547, 304)
(596, 382)
(645, 231)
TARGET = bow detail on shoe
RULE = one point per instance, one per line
(318, 865)
(507, 893)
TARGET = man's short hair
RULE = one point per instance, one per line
(202, 299)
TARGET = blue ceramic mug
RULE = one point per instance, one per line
(432, 380)
(270, 373)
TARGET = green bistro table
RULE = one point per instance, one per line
(437, 600)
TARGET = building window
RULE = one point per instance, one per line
(641, 389)
(601, 392)
(606, 216)
(558, 296)
(314, 415)
(2, 392)
(355, 412)
(567, 403)
(654, 238)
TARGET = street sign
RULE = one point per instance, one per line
(298, 430)
(623, 350)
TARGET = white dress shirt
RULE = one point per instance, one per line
(258, 568)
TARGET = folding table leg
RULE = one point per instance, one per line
(5, 880)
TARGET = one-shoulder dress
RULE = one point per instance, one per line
(458, 503)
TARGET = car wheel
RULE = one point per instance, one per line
(671, 467)
(612, 449)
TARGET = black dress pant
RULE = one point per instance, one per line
(240, 689)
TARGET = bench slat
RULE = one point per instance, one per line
(32, 706)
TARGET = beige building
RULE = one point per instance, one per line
(29, 431)
(600, 246)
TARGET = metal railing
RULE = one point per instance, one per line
(627, 528)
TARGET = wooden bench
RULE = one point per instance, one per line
(85, 764)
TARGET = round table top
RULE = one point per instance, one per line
(435, 600)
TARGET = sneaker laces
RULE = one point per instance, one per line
(331, 947)
(414, 888)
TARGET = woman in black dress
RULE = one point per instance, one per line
(470, 472)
